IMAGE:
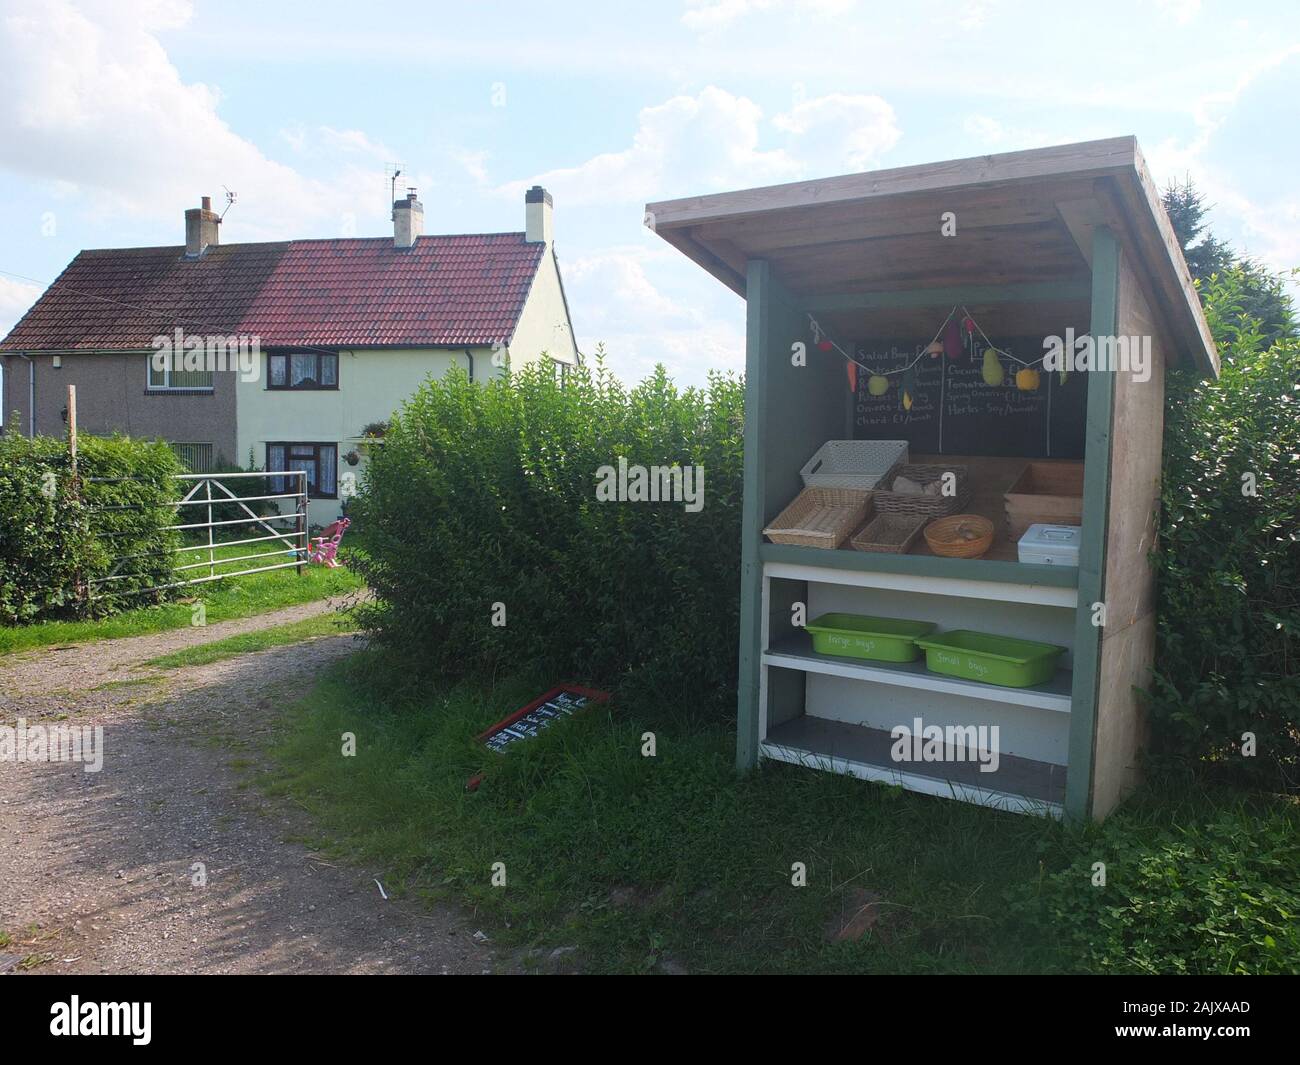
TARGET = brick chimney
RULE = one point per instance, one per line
(538, 228)
(408, 221)
(201, 229)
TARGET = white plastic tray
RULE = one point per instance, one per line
(852, 463)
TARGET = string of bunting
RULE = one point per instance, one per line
(948, 339)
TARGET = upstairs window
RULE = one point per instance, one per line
(302, 370)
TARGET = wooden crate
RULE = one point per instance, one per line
(1050, 493)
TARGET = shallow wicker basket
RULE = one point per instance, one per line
(893, 533)
(946, 538)
(927, 506)
(820, 517)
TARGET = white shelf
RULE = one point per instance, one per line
(991, 591)
(795, 652)
(1021, 785)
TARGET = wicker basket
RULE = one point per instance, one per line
(894, 533)
(949, 536)
(820, 517)
(920, 505)
(858, 464)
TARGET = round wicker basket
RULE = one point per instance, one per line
(960, 536)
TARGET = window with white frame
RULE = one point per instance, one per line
(167, 379)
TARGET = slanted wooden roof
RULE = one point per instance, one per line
(1022, 218)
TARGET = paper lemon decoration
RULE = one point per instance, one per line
(1027, 380)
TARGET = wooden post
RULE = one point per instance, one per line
(80, 589)
(1096, 518)
(72, 428)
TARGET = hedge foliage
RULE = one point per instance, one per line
(1228, 562)
(484, 494)
(1189, 888)
(57, 535)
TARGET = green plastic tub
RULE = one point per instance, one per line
(859, 636)
(992, 659)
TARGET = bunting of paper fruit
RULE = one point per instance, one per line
(1027, 379)
(992, 371)
(908, 387)
(952, 338)
(877, 385)
(851, 368)
(935, 349)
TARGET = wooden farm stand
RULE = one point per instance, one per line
(1071, 236)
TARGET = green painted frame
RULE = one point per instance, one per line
(764, 297)
(1096, 519)
(758, 294)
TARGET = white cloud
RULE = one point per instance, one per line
(712, 141)
(686, 143)
(1181, 11)
(15, 298)
(839, 130)
(619, 299)
(705, 15)
(89, 98)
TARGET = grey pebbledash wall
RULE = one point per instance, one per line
(112, 397)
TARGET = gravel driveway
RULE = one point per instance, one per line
(97, 870)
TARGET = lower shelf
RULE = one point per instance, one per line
(1020, 784)
(796, 652)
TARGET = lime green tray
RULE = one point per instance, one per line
(860, 636)
(992, 659)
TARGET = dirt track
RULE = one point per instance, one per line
(96, 869)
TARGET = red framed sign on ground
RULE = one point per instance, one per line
(555, 705)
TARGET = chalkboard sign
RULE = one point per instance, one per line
(954, 412)
(541, 713)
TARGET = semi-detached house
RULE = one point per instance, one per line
(347, 329)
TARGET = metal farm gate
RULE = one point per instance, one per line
(206, 492)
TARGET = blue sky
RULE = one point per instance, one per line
(117, 115)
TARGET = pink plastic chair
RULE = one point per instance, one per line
(325, 547)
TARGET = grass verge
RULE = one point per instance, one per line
(223, 600)
(638, 860)
(330, 624)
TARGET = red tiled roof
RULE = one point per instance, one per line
(351, 292)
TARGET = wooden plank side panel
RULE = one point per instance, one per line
(1128, 639)
(1126, 659)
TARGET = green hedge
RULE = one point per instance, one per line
(55, 538)
(1184, 886)
(485, 494)
(1228, 561)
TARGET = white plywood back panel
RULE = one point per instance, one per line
(1027, 621)
(1023, 731)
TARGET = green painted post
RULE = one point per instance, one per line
(758, 299)
(1096, 518)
